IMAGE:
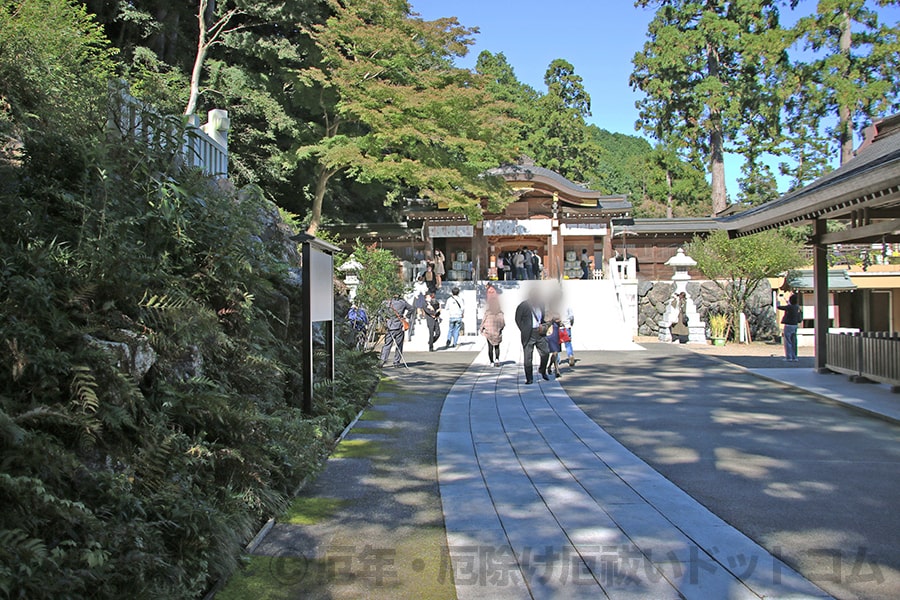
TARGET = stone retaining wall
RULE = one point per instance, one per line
(653, 295)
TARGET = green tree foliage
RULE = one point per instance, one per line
(618, 168)
(559, 138)
(519, 99)
(42, 44)
(115, 481)
(708, 70)
(658, 180)
(738, 266)
(551, 129)
(251, 70)
(395, 109)
(672, 185)
(379, 278)
(757, 184)
(851, 78)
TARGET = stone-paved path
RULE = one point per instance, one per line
(811, 480)
(540, 502)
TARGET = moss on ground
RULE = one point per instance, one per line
(374, 415)
(391, 429)
(311, 510)
(357, 449)
(416, 566)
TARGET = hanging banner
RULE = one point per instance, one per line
(518, 227)
(583, 229)
(451, 231)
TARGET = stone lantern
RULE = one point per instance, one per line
(681, 263)
(351, 270)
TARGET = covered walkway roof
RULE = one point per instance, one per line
(864, 192)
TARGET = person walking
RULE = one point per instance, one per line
(585, 264)
(554, 344)
(527, 255)
(565, 338)
(398, 312)
(430, 279)
(455, 309)
(439, 270)
(492, 328)
(519, 264)
(432, 311)
(792, 318)
(530, 321)
(419, 291)
(536, 270)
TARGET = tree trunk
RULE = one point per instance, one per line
(669, 209)
(197, 71)
(845, 111)
(322, 177)
(716, 142)
(717, 169)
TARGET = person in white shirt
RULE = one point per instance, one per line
(454, 309)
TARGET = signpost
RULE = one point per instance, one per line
(318, 307)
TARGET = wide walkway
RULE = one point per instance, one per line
(540, 502)
(811, 481)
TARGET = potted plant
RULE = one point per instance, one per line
(717, 326)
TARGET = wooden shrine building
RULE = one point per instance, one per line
(551, 215)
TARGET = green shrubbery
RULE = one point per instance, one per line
(149, 412)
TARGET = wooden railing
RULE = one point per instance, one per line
(202, 146)
(869, 355)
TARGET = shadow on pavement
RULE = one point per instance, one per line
(811, 482)
(371, 525)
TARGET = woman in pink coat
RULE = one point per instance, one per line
(492, 329)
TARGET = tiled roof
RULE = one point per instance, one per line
(876, 165)
(526, 172)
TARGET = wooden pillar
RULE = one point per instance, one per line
(607, 250)
(820, 285)
(480, 252)
(429, 243)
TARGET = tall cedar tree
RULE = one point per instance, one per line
(560, 140)
(705, 69)
(854, 76)
(395, 109)
(521, 99)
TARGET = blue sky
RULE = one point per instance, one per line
(599, 37)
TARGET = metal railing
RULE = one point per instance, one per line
(870, 355)
(201, 146)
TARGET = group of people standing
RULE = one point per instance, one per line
(519, 265)
(401, 319)
(433, 275)
(549, 331)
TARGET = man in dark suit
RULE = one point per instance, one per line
(397, 310)
(529, 316)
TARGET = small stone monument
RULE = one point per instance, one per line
(682, 263)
